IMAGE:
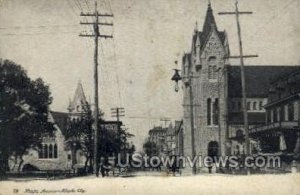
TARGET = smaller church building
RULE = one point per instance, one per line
(55, 153)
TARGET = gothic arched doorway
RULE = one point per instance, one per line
(213, 149)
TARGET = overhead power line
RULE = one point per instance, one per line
(32, 34)
(40, 26)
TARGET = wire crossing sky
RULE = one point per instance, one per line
(136, 66)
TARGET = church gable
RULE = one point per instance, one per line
(213, 46)
(209, 43)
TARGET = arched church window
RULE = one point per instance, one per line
(216, 112)
(55, 151)
(208, 111)
(50, 151)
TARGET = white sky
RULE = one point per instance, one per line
(42, 36)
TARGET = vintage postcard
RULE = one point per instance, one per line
(149, 97)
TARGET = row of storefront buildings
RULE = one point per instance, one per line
(167, 140)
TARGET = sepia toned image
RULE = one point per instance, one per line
(149, 97)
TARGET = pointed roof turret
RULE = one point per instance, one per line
(209, 22)
(79, 97)
(200, 38)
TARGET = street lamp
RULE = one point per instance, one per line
(176, 77)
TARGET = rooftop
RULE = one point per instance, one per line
(258, 79)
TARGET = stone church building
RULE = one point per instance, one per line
(54, 152)
(217, 98)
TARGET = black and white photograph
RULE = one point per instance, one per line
(149, 97)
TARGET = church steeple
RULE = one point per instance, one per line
(79, 100)
(209, 22)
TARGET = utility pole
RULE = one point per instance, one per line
(118, 112)
(96, 35)
(219, 110)
(192, 120)
(237, 13)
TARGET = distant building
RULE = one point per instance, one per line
(169, 140)
(157, 135)
(170, 148)
(178, 130)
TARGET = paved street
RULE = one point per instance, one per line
(201, 184)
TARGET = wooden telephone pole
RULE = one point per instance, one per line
(96, 35)
(118, 112)
(237, 13)
(190, 77)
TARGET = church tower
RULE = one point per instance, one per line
(78, 105)
(207, 63)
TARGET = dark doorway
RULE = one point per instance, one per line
(213, 149)
(29, 168)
